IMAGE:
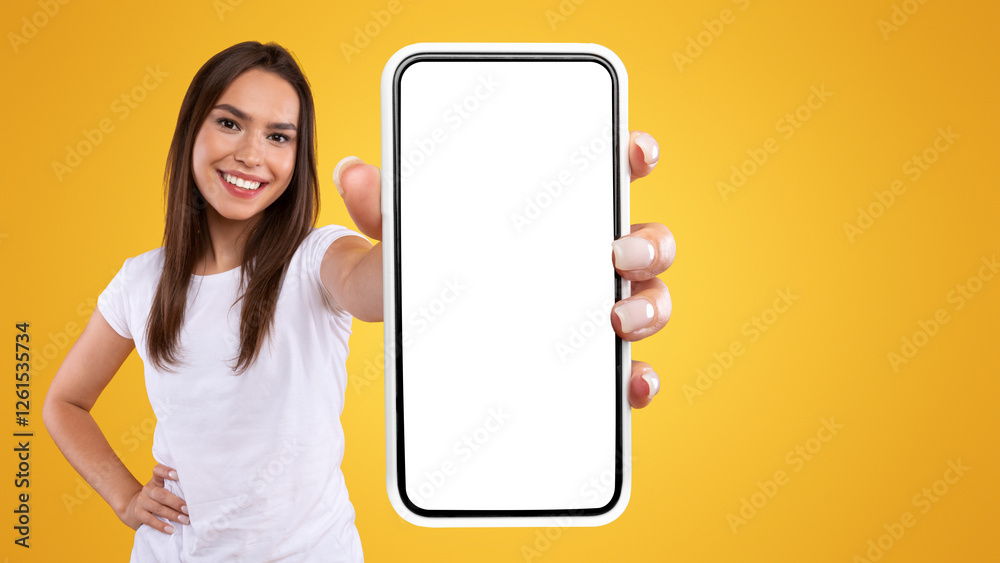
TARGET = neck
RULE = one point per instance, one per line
(228, 237)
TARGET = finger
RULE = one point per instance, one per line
(643, 153)
(164, 472)
(158, 502)
(643, 314)
(645, 253)
(360, 186)
(148, 518)
(157, 524)
(643, 384)
(171, 501)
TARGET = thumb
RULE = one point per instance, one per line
(360, 186)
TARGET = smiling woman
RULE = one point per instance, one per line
(255, 122)
(248, 438)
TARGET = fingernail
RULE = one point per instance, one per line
(654, 382)
(632, 253)
(634, 314)
(184, 509)
(339, 169)
(169, 529)
(185, 520)
(650, 149)
(172, 475)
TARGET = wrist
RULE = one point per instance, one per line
(122, 505)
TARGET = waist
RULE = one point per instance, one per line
(275, 522)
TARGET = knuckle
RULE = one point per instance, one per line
(632, 336)
(640, 367)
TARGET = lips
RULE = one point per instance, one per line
(241, 185)
(242, 181)
(239, 182)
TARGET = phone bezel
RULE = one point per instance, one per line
(396, 467)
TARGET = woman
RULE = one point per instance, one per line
(242, 321)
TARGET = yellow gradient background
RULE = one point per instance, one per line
(697, 456)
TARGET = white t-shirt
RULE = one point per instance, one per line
(258, 454)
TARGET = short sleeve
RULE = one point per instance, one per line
(314, 248)
(113, 302)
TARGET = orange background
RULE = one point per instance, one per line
(736, 459)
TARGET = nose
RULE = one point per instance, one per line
(249, 151)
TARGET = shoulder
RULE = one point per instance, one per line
(129, 293)
(304, 275)
(147, 265)
(330, 233)
(151, 259)
(311, 250)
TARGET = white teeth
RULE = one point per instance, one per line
(240, 182)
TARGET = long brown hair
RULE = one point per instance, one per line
(269, 247)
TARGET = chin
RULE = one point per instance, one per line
(241, 216)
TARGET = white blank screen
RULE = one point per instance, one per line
(506, 217)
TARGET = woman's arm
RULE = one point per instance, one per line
(352, 273)
(352, 267)
(88, 368)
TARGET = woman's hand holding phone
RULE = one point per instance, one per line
(639, 257)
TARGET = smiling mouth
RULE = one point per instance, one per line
(248, 185)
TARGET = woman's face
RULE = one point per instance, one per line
(244, 153)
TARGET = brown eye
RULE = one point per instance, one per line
(227, 123)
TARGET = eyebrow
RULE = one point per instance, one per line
(241, 115)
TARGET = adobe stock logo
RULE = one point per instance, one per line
(924, 500)
(130, 441)
(753, 329)
(697, 43)
(31, 25)
(598, 486)
(122, 106)
(364, 35)
(563, 11)
(914, 169)
(264, 477)
(584, 155)
(927, 329)
(796, 459)
(788, 126)
(900, 15)
(421, 319)
(464, 448)
(460, 111)
(597, 322)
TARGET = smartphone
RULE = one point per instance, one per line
(504, 182)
